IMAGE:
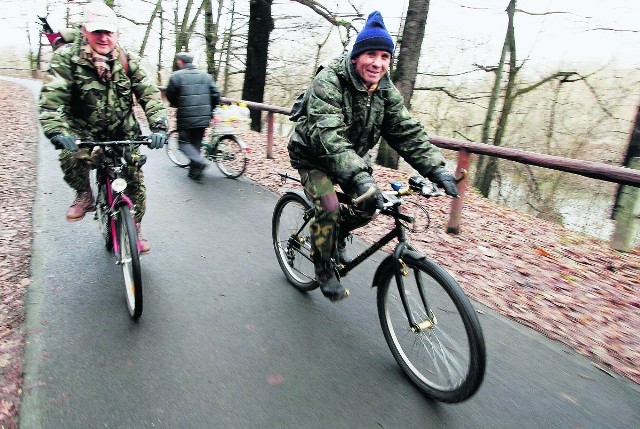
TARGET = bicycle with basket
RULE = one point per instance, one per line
(428, 322)
(221, 145)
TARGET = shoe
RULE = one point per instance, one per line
(143, 244)
(195, 172)
(333, 289)
(343, 257)
(80, 206)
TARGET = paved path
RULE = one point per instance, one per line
(224, 342)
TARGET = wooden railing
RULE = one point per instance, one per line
(594, 170)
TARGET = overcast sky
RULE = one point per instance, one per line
(577, 35)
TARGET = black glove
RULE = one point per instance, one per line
(445, 180)
(65, 142)
(158, 139)
(362, 182)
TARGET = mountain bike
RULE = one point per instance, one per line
(428, 322)
(115, 211)
(224, 148)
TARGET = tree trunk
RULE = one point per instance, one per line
(487, 167)
(260, 27)
(145, 39)
(406, 69)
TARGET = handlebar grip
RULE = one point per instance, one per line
(369, 194)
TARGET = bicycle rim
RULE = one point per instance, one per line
(231, 156)
(130, 261)
(445, 354)
(292, 241)
(173, 151)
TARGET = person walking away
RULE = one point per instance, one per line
(195, 95)
(349, 105)
(89, 95)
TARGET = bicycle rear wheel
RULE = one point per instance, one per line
(231, 156)
(173, 151)
(292, 240)
(130, 261)
(443, 354)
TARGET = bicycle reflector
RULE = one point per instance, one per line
(119, 185)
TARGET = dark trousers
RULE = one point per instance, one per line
(190, 141)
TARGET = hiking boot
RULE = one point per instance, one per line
(80, 206)
(333, 289)
(343, 257)
(143, 244)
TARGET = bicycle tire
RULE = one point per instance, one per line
(102, 216)
(446, 356)
(292, 240)
(230, 156)
(174, 153)
(130, 261)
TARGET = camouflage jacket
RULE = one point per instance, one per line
(75, 102)
(342, 123)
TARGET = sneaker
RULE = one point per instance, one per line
(80, 206)
(143, 244)
(333, 289)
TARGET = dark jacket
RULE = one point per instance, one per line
(341, 123)
(195, 94)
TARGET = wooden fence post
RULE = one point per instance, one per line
(270, 135)
(464, 160)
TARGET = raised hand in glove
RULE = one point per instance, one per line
(65, 142)
(157, 140)
(445, 180)
(362, 182)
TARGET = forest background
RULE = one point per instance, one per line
(554, 77)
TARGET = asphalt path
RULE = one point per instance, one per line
(225, 342)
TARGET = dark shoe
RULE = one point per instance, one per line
(143, 244)
(80, 206)
(195, 171)
(333, 289)
(343, 257)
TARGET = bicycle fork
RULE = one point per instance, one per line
(400, 272)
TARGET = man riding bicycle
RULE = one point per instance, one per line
(90, 96)
(350, 104)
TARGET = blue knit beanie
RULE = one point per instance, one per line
(373, 37)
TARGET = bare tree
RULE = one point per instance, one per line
(406, 69)
(260, 27)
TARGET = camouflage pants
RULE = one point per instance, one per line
(76, 167)
(328, 227)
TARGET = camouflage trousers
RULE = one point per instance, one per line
(76, 167)
(328, 227)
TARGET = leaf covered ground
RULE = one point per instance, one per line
(572, 288)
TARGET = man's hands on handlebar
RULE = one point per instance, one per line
(158, 139)
(362, 182)
(65, 142)
(445, 180)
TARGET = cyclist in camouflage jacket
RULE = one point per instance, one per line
(350, 104)
(90, 95)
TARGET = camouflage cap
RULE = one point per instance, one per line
(99, 16)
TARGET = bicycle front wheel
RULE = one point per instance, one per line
(292, 240)
(443, 353)
(130, 261)
(231, 156)
(174, 153)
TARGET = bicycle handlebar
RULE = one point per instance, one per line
(88, 143)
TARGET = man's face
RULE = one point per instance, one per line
(371, 66)
(101, 41)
